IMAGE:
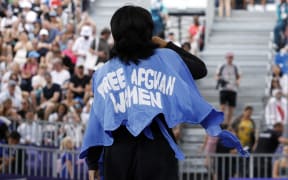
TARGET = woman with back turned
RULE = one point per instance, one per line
(139, 95)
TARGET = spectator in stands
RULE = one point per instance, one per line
(29, 69)
(31, 132)
(160, 17)
(69, 99)
(26, 105)
(276, 109)
(282, 12)
(50, 96)
(195, 33)
(52, 31)
(8, 21)
(280, 166)
(228, 78)
(283, 41)
(100, 47)
(244, 127)
(267, 143)
(67, 160)
(83, 44)
(78, 82)
(54, 21)
(224, 4)
(53, 53)
(38, 83)
(13, 156)
(59, 74)
(275, 84)
(10, 93)
(43, 45)
(171, 37)
(22, 47)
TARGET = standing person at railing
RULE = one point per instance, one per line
(139, 95)
(67, 159)
(14, 158)
(280, 166)
(267, 143)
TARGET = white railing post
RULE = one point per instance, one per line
(210, 13)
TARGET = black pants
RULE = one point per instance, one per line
(139, 158)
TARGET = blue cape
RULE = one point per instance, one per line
(132, 95)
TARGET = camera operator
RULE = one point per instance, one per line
(228, 78)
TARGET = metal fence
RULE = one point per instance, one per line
(49, 163)
(29, 161)
(45, 133)
(229, 166)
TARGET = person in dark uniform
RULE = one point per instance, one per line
(140, 94)
(268, 142)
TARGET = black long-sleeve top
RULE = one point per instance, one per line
(197, 69)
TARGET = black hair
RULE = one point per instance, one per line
(15, 135)
(132, 28)
(248, 108)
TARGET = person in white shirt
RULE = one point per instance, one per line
(276, 109)
(30, 130)
(60, 75)
(82, 44)
(10, 93)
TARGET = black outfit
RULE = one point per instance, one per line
(149, 157)
(267, 143)
(223, 164)
(79, 82)
(48, 92)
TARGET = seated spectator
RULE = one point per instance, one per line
(10, 93)
(26, 105)
(21, 49)
(38, 83)
(29, 69)
(8, 21)
(69, 58)
(61, 114)
(51, 95)
(13, 157)
(43, 45)
(6, 56)
(54, 21)
(7, 111)
(280, 166)
(30, 131)
(67, 159)
(79, 81)
(53, 54)
(59, 74)
(13, 77)
(69, 99)
(276, 109)
(244, 127)
(275, 84)
(13, 68)
(52, 31)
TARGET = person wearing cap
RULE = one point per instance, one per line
(228, 79)
(55, 22)
(276, 109)
(82, 44)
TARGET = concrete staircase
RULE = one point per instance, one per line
(247, 35)
(102, 10)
